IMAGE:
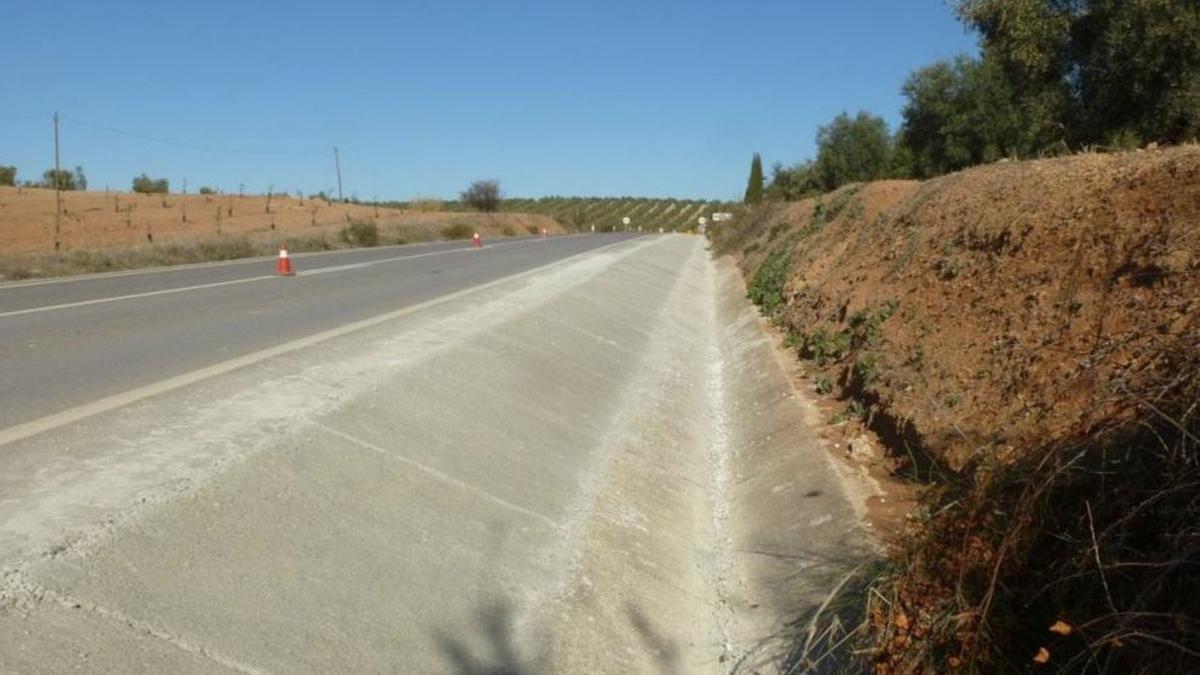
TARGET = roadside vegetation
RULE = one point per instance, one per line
(228, 247)
(360, 233)
(482, 195)
(1024, 337)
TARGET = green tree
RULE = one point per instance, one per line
(853, 149)
(792, 183)
(146, 185)
(8, 175)
(754, 186)
(1138, 69)
(1029, 42)
(1089, 71)
(958, 113)
(81, 182)
(65, 179)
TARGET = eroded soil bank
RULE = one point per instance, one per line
(1024, 338)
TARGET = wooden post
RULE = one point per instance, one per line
(337, 162)
(57, 190)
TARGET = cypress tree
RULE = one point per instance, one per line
(754, 189)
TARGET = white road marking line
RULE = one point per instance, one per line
(7, 285)
(368, 263)
(65, 417)
(131, 296)
(183, 289)
(146, 271)
(438, 474)
(335, 268)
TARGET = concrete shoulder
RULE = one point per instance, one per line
(796, 531)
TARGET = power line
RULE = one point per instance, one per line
(189, 145)
(210, 149)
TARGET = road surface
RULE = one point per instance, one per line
(71, 341)
(573, 455)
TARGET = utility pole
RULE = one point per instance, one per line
(337, 162)
(57, 188)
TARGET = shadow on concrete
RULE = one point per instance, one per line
(664, 649)
(494, 651)
(498, 653)
(813, 639)
(810, 642)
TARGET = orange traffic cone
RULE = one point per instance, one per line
(283, 267)
(477, 241)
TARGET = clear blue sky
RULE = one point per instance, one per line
(623, 97)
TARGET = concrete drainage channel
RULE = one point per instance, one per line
(599, 467)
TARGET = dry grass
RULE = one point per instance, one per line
(458, 231)
(427, 204)
(226, 247)
(102, 239)
(1084, 556)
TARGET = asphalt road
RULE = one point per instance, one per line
(66, 342)
(576, 455)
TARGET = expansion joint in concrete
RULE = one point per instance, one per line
(26, 594)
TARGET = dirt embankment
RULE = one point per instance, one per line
(1027, 296)
(1025, 339)
(133, 230)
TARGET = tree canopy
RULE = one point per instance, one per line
(853, 149)
(60, 179)
(147, 185)
(1096, 71)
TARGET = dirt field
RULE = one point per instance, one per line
(99, 220)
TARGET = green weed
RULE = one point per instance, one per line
(766, 287)
(360, 233)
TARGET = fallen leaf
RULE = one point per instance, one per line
(1061, 627)
(1043, 656)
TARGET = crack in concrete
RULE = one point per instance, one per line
(26, 595)
(437, 474)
